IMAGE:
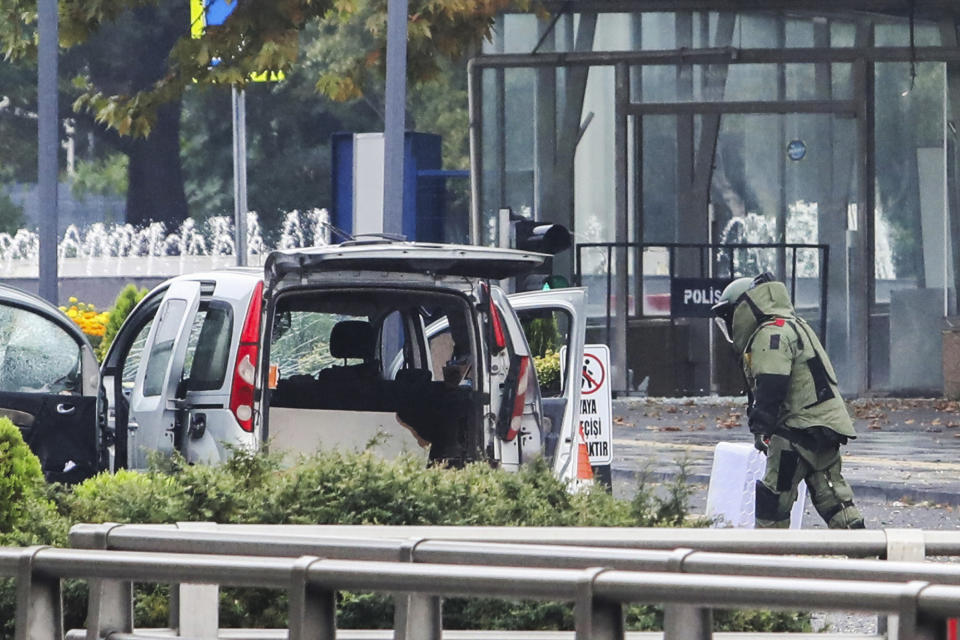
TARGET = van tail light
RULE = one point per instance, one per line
(515, 399)
(245, 371)
(499, 339)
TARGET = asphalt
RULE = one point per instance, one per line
(907, 449)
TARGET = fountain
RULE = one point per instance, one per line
(95, 262)
(108, 250)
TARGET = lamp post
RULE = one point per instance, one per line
(48, 145)
(395, 120)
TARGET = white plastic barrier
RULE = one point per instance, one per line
(731, 495)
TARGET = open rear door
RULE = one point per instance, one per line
(552, 320)
(153, 399)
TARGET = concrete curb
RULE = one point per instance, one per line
(881, 491)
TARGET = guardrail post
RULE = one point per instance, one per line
(596, 618)
(416, 616)
(195, 608)
(910, 626)
(110, 606)
(906, 545)
(684, 621)
(312, 609)
(39, 604)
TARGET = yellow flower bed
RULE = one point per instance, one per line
(91, 322)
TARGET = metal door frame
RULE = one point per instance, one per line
(861, 56)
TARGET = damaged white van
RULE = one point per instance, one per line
(393, 346)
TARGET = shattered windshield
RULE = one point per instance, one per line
(36, 354)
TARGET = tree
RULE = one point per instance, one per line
(138, 96)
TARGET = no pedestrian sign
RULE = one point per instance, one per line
(595, 417)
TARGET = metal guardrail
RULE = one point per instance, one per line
(860, 543)
(311, 584)
(685, 618)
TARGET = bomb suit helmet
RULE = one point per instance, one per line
(730, 298)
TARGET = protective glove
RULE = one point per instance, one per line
(761, 443)
(761, 422)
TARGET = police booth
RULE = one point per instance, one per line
(712, 139)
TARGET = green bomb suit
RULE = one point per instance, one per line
(795, 410)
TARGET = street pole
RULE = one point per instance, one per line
(48, 145)
(239, 110)
(394, 120)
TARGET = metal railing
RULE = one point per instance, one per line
(311, 584)
(655, 575)
(708, 256)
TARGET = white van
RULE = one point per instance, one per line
(394, 346)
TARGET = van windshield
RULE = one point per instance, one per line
(332, 351)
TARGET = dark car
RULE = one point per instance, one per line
(49, 385)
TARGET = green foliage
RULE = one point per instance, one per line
(260, 36)
(107, 176)
(126, 300)
(548, 369)
(21, 477)
(357, 488)
(761, 621)
(543, 334)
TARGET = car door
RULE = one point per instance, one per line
(154, 394)
(553, 319)
(49, 383)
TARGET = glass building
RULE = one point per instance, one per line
(669, 134)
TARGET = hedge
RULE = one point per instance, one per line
(349, 488)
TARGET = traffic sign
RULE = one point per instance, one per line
(595, 415)
(213, 13)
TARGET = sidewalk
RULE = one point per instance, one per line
(907, 449)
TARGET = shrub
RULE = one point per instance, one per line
(126, 300)
(21, 477)
(548, 369)
(360, 488)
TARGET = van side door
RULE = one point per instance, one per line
(553, 319)
(153, 398)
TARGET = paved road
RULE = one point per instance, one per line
(904, 466)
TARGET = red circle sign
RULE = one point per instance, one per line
(593, 376)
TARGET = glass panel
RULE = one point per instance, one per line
(209, 348)
(897, 34)
(491, 136)
(547, 330)
(519, 33)
(162, 349)
(519, 139)
(301, 342)
(37, 355)
(659, 178)
(746, 82)
(656, 281)
(132, 362)
(908, 232)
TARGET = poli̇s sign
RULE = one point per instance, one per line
(693, 297)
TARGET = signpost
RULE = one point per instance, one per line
(204, 13)
(595, 415)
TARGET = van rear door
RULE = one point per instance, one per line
(153, 398)
(551, 320)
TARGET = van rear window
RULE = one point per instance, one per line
(208, 349)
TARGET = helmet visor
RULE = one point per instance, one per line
(723, 316)
(724, 329)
